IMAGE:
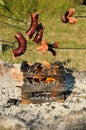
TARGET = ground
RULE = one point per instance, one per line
(70, 115)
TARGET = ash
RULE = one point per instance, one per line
(69, 115)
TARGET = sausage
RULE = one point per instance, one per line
(43, 47)
(54, 45)
(33, 25)
(39, 33)
(67, 17)
(51, 46)
(52, 51)
(22, 45)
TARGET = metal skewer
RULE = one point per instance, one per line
(8, 42)
(12, 25)
(13, 19)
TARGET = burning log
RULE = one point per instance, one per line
(24, 66)
(67, 17)
(43, 84)
(39, 33)
(22, 45)
(33, 26)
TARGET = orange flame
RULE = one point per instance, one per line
(48, 80)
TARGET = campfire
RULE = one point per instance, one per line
(42, 82)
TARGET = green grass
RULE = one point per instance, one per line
(66, 34)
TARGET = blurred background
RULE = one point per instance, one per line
(15, 17)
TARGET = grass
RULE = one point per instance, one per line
(66, 34)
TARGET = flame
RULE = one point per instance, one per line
(38, 78)
(48, 80)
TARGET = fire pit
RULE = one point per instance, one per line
(42, 83)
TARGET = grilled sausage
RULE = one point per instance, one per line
(33, 25)
(22, 45)
(39, 33)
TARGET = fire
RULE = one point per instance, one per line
(43, 82)
(38, 78)
(48, 80)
